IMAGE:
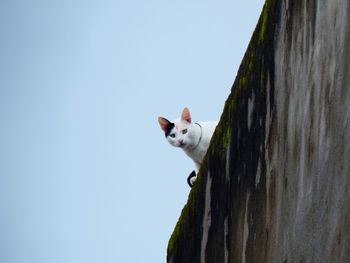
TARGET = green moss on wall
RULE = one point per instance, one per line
(264, 18)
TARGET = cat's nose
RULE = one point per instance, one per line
(181, 141)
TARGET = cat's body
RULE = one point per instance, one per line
(206, 129)
(192, 137)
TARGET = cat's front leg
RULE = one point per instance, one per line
(191, 178)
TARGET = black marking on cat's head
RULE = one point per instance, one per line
(170, 128)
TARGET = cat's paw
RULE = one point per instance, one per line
(191, 178)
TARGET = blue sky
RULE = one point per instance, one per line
(85, 172)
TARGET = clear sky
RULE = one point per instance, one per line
(86, 174)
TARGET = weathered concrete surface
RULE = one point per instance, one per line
(310, 158)
(275, 185)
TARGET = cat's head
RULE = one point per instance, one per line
(181, 132)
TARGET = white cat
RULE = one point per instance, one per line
(193, 138)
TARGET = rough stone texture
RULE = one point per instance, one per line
(275, 184)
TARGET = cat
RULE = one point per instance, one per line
(192, 137)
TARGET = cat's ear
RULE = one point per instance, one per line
(186, 116)
(164, 124)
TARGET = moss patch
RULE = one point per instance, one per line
(264, 18)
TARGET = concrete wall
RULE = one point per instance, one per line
(275, 186)
(310, 157)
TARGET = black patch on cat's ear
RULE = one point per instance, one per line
(170, 127)
(166, 125)
(193, 174)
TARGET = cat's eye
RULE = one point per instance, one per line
(172, 135)
(184, 131)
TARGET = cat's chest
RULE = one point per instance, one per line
(204, 134)
(199, 152)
